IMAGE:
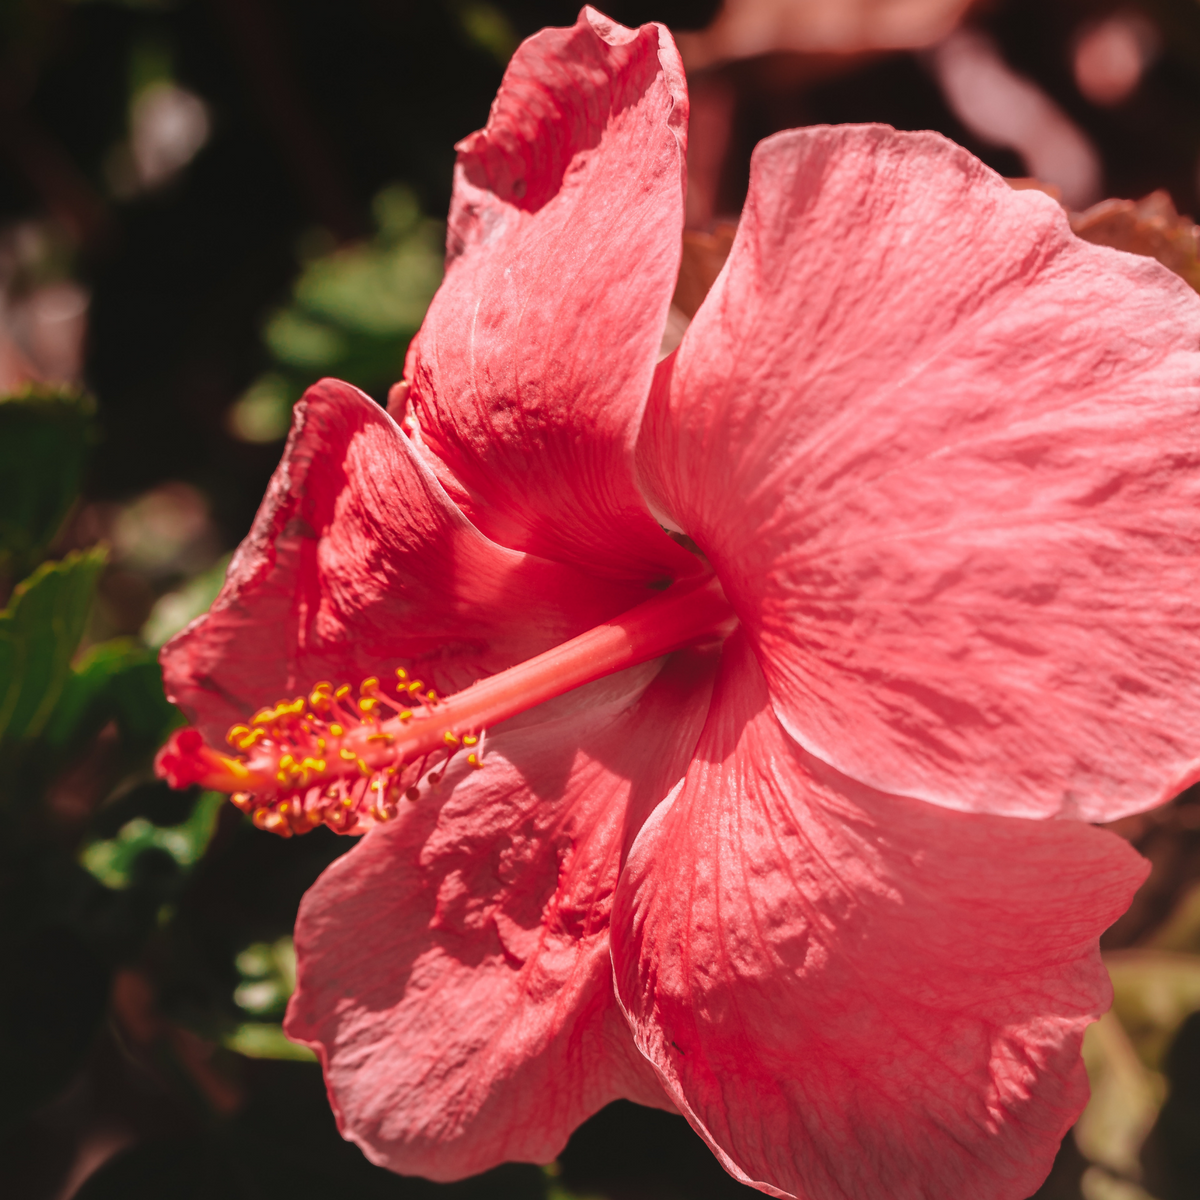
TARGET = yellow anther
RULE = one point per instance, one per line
(362, 766)
(449, 738)
(406, 714)
(348, 755)
(253, 736)
(264, 716)
(376, 785)
(344, 690)
(313, 764)
(281, 777)
(321, 744)
(473, 759)
(236, 733)
(347, 802)
(335, 730)
(367, 703)
(368, 684)
(469, 739)
(297, 706)
(285, 761)
(416, 685)
(431, 696)
(401, 674)
(381, 737)
(283, 807)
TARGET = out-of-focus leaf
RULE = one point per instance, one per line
(299, 340)
(1150, 227)
(268, 971)
(113, 861)
(264, 411)
(1125, 1100)
(1099, 1184)
(117, 680)
(44, 438)
(1154, 992)
(176, 609)
(39, 633)
(157, 801)
(264, 1039)
(352, 315)
(384, 286)
(489, 29)
(1181, 931)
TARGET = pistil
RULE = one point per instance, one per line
(344, 760)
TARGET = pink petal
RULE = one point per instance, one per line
(454, 971)
(942, 456)
(853, 995)
(531, 371)
(357, 563)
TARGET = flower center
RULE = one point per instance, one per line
(345, 760)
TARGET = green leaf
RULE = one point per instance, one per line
(39, 633)
(44, 439)
(113, 860)
(116, 680)
(265, 1039)
(352, 314)
(177, 609)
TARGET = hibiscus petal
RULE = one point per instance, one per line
(531, 370)
(942, 455)
(853, 995)
(357, 563)
(454, 971)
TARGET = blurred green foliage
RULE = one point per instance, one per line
(40, 631)
(44, 438)
(60, 930)
(352, 314)
(113, 861)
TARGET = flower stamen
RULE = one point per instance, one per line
(331, 757)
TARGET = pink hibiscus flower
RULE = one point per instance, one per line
(806, 856)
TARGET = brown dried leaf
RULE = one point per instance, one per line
(704, 255)
(1150, 227)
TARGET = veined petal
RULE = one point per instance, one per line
(943, 456)
(532, 368)
(853, 995)
(358, 563)
(454, 971)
